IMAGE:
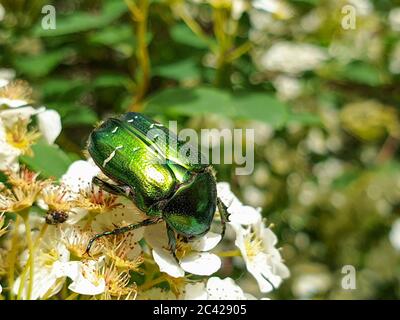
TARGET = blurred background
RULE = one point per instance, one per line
(318, 81)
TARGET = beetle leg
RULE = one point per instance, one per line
(117, 190)
(223, 211)
(172, 242)
(117, 231)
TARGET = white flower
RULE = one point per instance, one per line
(292, 58)
(79, 175)
(277, 7)
(394, 19)
(2, 15)
(15, 96)
(8, 154)
(288, 88)
(257, 246)
(126, 246)
(216, 289)
(239, 213)
(307, 285)
(87, 277)
(50, 257)
(238, 8)
(394, 235)
(13, 114)
(193, 256)
(16, 137)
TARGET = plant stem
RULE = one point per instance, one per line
(195, 27)
(30, 263)
(231, 253)
(31, 257)
(152, 283)
(140, 15)
(72, 296)
(12, 257)
(225, 41)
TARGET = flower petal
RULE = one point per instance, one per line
(225, 194)
(79, 175)
(224, 289)
(244, 215)
(201, 263)
(49, 123)
(195, 291)
(156, 235)
(84, 286)
(207, 242)
(167, 263)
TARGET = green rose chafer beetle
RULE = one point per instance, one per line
(150, 165)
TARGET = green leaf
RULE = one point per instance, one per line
(180, 70)
(182, 34)
(73, 115)
(82, 21)
(40, 65)
(205, 100)
(261, 107)
(304, 118)
(114, 35)
(49, 160)
(81, 116)
(61, 86)
(111, 80)
(362, 73)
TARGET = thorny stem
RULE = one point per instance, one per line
(12, 258)
(140, 14)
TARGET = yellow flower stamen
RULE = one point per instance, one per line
(117, 284)
(17, 90)
(24, 191)
(118, 251)
(56, 199)
(97, 201)
(182, 248)
(76, 241)
(253, 245)
(3, 228)
(21, 137)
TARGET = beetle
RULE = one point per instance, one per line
(157, 175)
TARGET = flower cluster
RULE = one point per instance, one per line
(47, 224)
(60, 217)
(17, 134)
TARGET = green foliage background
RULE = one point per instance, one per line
(327, 171)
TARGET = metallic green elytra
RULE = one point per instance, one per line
(149, 165)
